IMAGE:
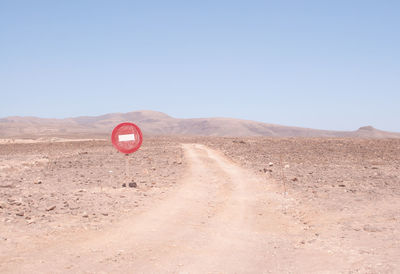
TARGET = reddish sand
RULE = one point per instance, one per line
(201, 205)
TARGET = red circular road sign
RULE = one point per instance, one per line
(127, 138)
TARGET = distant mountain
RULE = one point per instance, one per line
(157, 123)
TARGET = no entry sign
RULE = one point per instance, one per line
(127, 138)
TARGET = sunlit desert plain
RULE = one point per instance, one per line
(200, 205)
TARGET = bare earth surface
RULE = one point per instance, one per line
(209, 205)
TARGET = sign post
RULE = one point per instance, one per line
(127, 138)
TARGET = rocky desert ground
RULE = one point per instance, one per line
(201, 205)
(344, 191)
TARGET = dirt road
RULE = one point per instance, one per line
(220, 218)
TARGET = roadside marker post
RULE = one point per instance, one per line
(127, 139)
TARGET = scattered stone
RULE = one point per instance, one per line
(342, 185)
(73, 207)
(39, 182)
(85, 215)
(132, 184)
(29, 222)
(295, 179)
(104, 214)
(123, 185)
(371, 228)
(270, 164)
(51, 208)
(21, 214)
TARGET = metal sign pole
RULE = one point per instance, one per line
(127, 173)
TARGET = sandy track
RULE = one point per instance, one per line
(221, 219)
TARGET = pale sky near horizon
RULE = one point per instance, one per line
(317, 64)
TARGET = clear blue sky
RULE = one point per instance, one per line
(319, 64)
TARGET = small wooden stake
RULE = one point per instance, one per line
(282, 174)
(284, 183)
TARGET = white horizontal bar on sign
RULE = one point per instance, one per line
(126, 137)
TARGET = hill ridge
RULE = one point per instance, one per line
(159, 123)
